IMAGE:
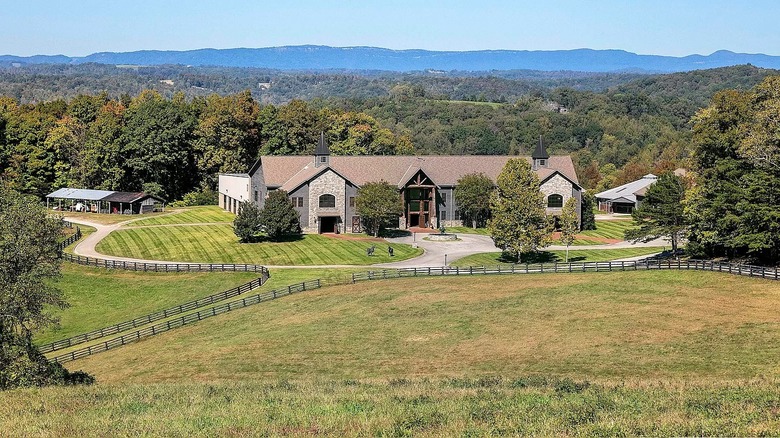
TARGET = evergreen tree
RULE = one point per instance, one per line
(472, 196)
(377, 202)
(519, 224)
(661, 212)
(279, 218)
(569, 224)
(247, 223)
(588, 218)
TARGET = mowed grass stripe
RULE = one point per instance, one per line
(610, 229)
(192, 215)
(217, 244)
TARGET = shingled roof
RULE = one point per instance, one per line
(289, 172)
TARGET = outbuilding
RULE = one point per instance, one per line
(104, 201)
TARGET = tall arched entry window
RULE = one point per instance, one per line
(555, 201)
(327, 201)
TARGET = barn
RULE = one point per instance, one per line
(104, 201)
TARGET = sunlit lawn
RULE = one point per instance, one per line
(218, 244)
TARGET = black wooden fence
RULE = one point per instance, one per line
(152, 317)
(648, 264)
(71, 239)
(163, 267)
(186, 320)
(639, 265)
(153, 267)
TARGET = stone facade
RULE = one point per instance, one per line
(328, 183)
(559, 185)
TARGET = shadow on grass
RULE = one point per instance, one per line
(535, 257)
(287, 238)
(393, 232)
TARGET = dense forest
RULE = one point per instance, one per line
(133, 136)
(44, 82)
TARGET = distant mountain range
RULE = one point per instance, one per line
(373, 58)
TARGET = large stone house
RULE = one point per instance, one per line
(323, 188)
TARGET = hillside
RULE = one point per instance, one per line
(653, 330)
(375, 58)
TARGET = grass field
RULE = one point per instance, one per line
(606, 229)
(217, 244)
(610, 229)
(575, 255)
(107, 219)
(189, 215)
(487, 406)
(644, 326)
(100, 297)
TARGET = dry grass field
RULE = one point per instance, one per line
(692, 326)
(658, 353)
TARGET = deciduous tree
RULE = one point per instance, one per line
(472, 196)
(377, 202)
(29, 267)
(518, 224)
(569, 224)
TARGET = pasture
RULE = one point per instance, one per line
(645, 326)
(100, 297)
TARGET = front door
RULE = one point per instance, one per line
(356, 224)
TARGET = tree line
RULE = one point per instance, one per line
(167, 147)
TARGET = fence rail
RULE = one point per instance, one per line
(645, 264)
(186, 320)
(163, 267)
(152, 317)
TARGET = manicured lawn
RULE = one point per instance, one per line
(217, 244)
(575, 255)
(108, 219)
(610, 229)
(486, 406)
(606, 229)
(100, 297)
(468, 230)
(188, 215)
(646, 326)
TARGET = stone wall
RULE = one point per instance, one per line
(328, 183)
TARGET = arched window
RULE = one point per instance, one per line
(327, 201)
(555, 201)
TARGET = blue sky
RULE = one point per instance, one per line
(664, 27)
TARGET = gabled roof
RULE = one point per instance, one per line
(444, 170)
(540, 152)
(552, 172)
(129, 197)
(255, 166)
(306, 174)
(100, 195)
(79, 194)
(628, 190)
